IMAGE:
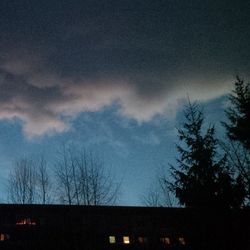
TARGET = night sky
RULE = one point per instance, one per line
(113, 77)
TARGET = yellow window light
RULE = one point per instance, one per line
(112, 240)
(126, 240)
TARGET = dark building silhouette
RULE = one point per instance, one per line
(118, 228)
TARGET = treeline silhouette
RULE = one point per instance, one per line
(209, 172)
(77, 177)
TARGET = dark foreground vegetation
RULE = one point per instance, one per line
(208, 175)
(212, 170)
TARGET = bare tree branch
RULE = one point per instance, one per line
(22, 182)
(83, 179)
(44, 184)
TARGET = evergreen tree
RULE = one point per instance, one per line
(238, 133)
(201, 178)
(238, 128)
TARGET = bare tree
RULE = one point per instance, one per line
(43, 183)
(22, 182)
(64, 176)
(158, 194)
(152, 198)
(96, 184)
(82, 179)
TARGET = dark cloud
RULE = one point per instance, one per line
(61, 58)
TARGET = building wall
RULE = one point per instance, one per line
(94, 228)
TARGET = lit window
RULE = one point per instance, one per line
(126, 240)
(165, 240)
(142, 240)
(112, 239)
(26, 221)
(182, 241)
(4, 237)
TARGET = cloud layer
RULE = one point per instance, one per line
(59, 61)
(43, 102)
